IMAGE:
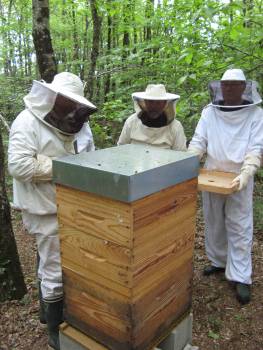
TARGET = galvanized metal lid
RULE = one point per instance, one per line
(127, 172)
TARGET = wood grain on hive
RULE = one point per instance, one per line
(127, 256)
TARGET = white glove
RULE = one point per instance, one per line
(248, 170)
(43, 168)
(195, 151)
(241, 181)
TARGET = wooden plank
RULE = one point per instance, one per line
(95, 248)
(149, 274)
(93, 277)
(175, 283)
(112, 338)
(161, 324)
(98, 216)
(167, 233)
(115, 302)
(151, 282)
(163, 203)
(216, 181)
(94, 254)
(93, 263)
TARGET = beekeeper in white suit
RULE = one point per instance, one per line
(154, 120)
(45, 130)
(230, 132)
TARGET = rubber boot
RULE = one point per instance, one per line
(54, 317)
(243, 293)
(210, 270)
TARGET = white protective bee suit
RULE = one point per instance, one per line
(169, 136)
(33, 144)
(233, 141)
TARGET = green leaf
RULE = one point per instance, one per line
(189, 57)
(182, 80)
(213, 335)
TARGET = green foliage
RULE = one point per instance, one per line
(239, 317)
(213, 335)
(107, 124)
(215, 324)
(182, 44)
(12, 92)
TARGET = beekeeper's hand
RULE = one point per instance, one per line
(42, 168)
(241, 181)
(248, 170)
(195, 151)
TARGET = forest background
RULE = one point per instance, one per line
(118, 47)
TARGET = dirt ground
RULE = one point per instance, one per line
(220, 323)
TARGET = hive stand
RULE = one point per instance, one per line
(179, 339)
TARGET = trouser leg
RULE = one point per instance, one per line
(50, 267)
(51, 284)
(239, 226)
(42, 317)
(45, 228)
(215, 231)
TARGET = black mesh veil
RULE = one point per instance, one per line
(249, 95)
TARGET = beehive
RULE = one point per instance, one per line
(126, 225)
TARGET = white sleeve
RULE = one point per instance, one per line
(22, 151)
(24, 164)
(199, 140)
(255, 145)
(125, 134)
(180, 139)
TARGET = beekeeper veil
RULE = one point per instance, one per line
(156, 100)
(61, 104)
(233, 90)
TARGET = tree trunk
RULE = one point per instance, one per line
(149, 12)
(97, 21)
(42, 40)
(12, 285)
(76, 48)
(126, 14)
(248, 6)
(85, 48)
(109, 38)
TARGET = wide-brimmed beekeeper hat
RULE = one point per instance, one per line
(155, 92)
(42, 96)
(234, 74)
(250, 95)
(70, 86)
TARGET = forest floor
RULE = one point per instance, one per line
(220, 322)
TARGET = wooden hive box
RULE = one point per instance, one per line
(126, 225)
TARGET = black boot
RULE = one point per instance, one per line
(210, 270)
(42, 316)
(243, 293)
(54, 317)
